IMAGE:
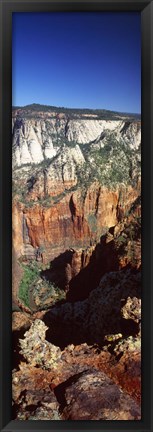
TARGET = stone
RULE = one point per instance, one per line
(36, 350)
(93, 396)
(33, 396)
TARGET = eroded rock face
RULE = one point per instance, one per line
(68, 181)
(35, 139)
(72, 222)
(119, 248)
(84, 267)
(31, 142)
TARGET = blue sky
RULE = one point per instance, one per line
(78, 60)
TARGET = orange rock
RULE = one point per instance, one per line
(74, 221)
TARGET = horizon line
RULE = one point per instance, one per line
(76, 108)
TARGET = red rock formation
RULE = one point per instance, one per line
(125, 371)
(74, 221)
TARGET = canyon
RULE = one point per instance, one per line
(76, 235)
(72, 179)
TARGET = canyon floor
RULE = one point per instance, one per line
(76, 229)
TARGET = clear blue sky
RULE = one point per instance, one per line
(79, 60)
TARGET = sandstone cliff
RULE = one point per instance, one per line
(72, 180)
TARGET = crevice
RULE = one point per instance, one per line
(66, 127)
(72, 208)
(25, 230)
(16, 407)
(97, 201)
(45, 183)
(62, 172)
(129, 327)
(125, 127)
(31, 408)
(57, 272)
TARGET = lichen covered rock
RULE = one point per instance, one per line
(93, 396)
(36, 350)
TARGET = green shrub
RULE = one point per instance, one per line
(50, 291)
(30, 275)
(31, 280)
(122, 239)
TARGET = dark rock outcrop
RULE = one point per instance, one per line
(93, 396)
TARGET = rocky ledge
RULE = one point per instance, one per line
(69, 384)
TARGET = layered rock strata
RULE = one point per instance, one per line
(72, 179)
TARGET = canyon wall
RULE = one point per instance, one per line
(70, 223)
(72, 180)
